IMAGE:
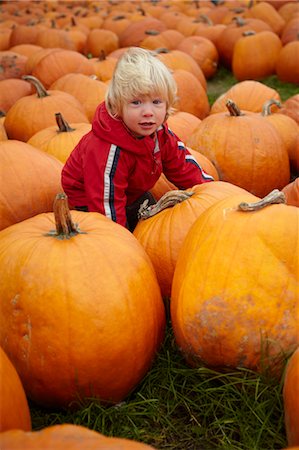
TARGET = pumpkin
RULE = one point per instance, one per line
(287, 69)
(191, 95)
(291, 192)
(103, 66)
(235, 291)
(58, 63)
(14, 409)
(11, 89)
(88, 91)
(59, 140)
(100, 40)
(290, 30)
(94, 338)
(162, 235)
(177, 59)
(135, 33)
(267, 13)
(288, 130)
(260, 50)
(29, 180)
(290, 107)
(249, 95)
(290, 399)
(12, 65)
(32, 113)
(232, 33)
(66, 437)
(245, 149)
(203, 51)
(182, 123)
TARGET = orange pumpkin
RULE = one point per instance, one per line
(88, 91)
(95, 338)
(245, 149)
(291, 107)
(66, 437)
(182, 123)
(11, 89)
(29, 180)
(288, 130)
(203, 51)
(163, 234)
(32, 113)
(235, 291)
(290, 399)
(291, 191)
(249, 95)
(191, 95)
(287, 69)
(12, 65)
(100, 40)
(14, 409)
(58, 63)
(59, 140)
(260, 50)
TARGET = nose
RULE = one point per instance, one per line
(147, 109)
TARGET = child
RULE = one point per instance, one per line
(114, 166)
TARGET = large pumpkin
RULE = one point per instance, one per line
(81, 309)
(32, 113)
(163, 234)
(245, 148)
(29, 181)
(290, 399)
(14, 409)
(66, 437)
(235, 292)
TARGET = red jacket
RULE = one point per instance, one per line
(110, 168)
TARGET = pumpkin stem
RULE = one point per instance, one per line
(62, 124)
(168, 200)
(266, 111)
(275, 196)
(65, 227)
(233, 108)
(40, 89)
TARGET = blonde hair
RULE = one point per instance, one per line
(139, 72)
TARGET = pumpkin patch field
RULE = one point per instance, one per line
(184, 334)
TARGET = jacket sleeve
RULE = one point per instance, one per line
(179, 166)
(95, 177)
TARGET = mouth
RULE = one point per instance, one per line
(146, 124)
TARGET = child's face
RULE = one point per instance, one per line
(144, 114)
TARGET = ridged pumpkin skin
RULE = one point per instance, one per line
(245, 149)
(163, 234)
(14, 409)
(235, 292)
(290, 399)
(82, 317)
(66, 437)
(250, 95)
(29, 181)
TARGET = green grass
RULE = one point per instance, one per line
(179, 407)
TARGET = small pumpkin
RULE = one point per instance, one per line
(290, 399)
(33, 113)
(59, 140)
(66, 436)
(14, 409)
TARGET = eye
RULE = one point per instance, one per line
(157, 101)
(135, 102)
